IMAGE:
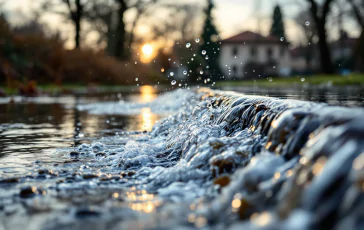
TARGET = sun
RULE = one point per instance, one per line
(147, 50)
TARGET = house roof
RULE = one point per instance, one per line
(251, 37)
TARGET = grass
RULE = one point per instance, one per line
(335, 80)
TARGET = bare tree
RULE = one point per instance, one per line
(108, 18)
(319, 15)
(304, 20)
(358, 11)
(357, 7)
(75, 12)
(182, 27)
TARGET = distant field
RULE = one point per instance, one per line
(336, 80)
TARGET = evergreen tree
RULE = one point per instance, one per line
(210, 49)
(277, 25)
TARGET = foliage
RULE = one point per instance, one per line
(41, 58)
(277, 28)
(211, 45)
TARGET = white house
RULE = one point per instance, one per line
(252, 55)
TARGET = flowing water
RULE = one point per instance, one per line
(183, 159)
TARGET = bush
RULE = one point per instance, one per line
(41, 58)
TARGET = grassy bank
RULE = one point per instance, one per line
(327, 80)
(53, 89)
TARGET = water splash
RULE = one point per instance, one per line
(220, 159)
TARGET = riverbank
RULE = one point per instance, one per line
(333, 82)
(52, 89)
(356, 80)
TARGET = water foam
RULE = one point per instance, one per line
(229, 160)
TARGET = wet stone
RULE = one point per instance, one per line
(101, 154)
(128, 173)
(245, 210)
(71, 161)
(89, 176)
(74, 154)
(9, 180)
(222, 181)
(28, 192)
(86, 213)
(45, 172)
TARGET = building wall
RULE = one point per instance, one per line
(233, 65)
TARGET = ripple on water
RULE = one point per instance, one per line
(218, 159)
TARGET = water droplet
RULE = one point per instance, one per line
(282, 39)
(203, 52)
(307, 23)
(173, 82)
(136, 79)
(188, 45)
(303, 79)
(197, 40)
(162, 70)
(171, 74)
(184, 72)
(207, 57)
(201, 72)
(136, 62)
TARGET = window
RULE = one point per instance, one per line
(269, 53)
(235, 51)
(283, 51)
(235, 70)
(253, 51)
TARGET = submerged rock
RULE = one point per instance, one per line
(28, 192)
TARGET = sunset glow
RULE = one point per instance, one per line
(147, 50)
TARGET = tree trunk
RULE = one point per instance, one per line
(120, 31)
(77, 21)
(131, 37)
(320, 21)
(325, 54)
(110, 47)
(77, 34)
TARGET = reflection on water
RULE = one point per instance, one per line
(147, 119)
(30, 130)
(140, 200)
(147, 94)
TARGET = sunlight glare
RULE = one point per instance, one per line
(147, 50)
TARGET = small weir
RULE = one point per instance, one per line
(217, 160)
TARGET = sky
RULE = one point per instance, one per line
(231, 17)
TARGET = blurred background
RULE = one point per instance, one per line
(55, 43)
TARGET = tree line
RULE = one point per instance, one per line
(314, 23)
(108, 19)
